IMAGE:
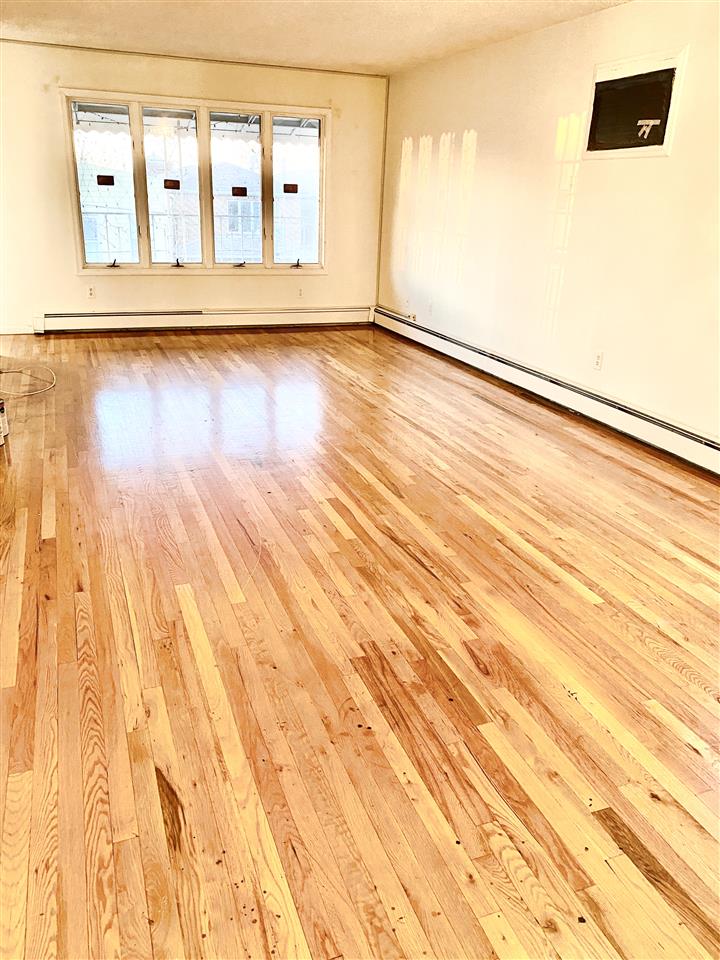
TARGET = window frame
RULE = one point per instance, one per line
(202, 107)
(263, 212)
(77, 205)
(270, 170)
(142, 133)
(616, 69)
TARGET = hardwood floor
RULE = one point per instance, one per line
(315, 644)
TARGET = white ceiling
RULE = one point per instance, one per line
(363, 36)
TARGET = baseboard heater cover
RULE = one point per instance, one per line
(696, 448)
(231, 317)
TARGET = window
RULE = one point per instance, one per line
(173, 192)
(205, 185)
(104, 167)
(634, 106)
(620, 102)
(296, 189)
(235, 151)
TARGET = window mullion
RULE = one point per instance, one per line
(205, 182)
(267, 189)
(141, 198)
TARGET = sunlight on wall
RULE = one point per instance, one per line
(418, 259)
(442, 219)
(437, 225)
(468, 159)
(404, 204)
(432, 215)
(568, 150)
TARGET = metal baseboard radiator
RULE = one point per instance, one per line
(203, 318)
(409, 321)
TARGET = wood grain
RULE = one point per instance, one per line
(317, 645)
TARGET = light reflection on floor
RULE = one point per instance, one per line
(146, 426)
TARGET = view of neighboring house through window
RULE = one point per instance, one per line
(236, 158)
(213, 193)
(104, 163)
(171, 162)
(296, 190)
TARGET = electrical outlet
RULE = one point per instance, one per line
(91, 293)
(598, 360)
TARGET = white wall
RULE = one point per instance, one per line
(38, 265)
(498, 233)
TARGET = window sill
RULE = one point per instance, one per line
(199, 270)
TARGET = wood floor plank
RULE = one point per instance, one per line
(72, 880)
(42, 918)
(165, 929)
(655, 930)
(13, 575)
(684, 905)
(14, 865)
(314, 644)
(135, 940)
(101, 904)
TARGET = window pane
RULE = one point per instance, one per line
(103, 155)
(171, 161)
(296, 190)
(237, 198)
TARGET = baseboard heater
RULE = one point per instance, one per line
(232, 317)
(694, 447)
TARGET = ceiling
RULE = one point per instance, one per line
(362, 36)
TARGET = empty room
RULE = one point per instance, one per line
(359, 480)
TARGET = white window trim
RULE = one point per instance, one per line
(629, 68)
(208, 267)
